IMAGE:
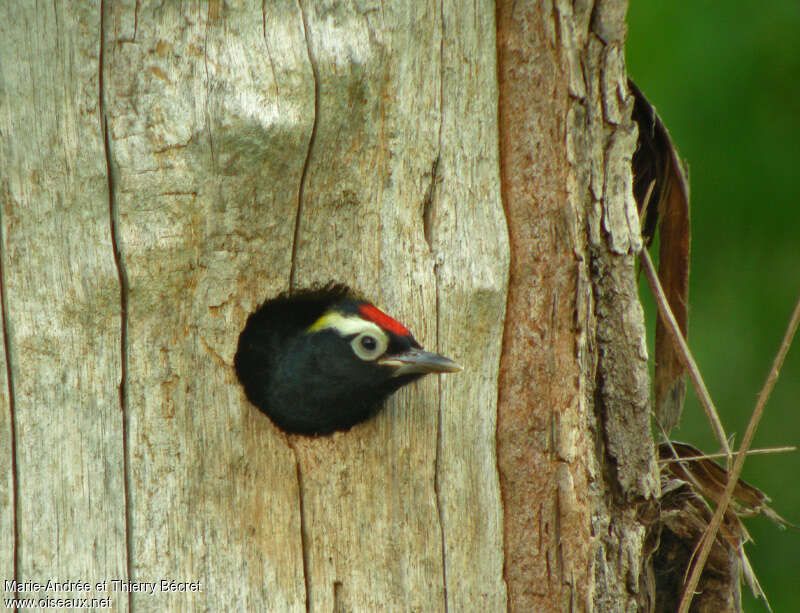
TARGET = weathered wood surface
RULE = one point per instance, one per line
(61, 301)
(193, 142)
(469, 237)
(172, 166)
(402, 198)
(207, 139)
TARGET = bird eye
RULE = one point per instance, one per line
(368, 343)
(368, 347)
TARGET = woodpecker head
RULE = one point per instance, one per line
(321, 360)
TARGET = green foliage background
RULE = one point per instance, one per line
(725, 78)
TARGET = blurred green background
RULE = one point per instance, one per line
(725, 78)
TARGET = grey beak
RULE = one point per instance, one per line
(416, 361)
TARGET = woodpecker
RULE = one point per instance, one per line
(320, 360)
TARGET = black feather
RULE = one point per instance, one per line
(311, 383)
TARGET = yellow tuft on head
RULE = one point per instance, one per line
(329, 319)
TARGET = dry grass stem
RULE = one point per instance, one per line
(711, 532)
(646, 204)
(691, 366)
(713, 456)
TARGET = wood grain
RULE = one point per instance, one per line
(207, 138)
(401, 196)
(62, 302)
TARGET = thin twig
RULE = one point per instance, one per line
(647, 195)
(688, 473)
(733, 476)
(683, 350)
(712, 456)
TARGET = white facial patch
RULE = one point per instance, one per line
(369, 340)
(347, 325)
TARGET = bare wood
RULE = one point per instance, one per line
(468, 237)
(540, 411)
(402, 166)
(738, 463)
(62, 305)
(361, 223)
(210, 113)
(8, 481)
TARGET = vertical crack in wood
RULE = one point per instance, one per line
(11, 409)
(303, 528)
(437, 463)
(301, 190)
(427, 202)
(135, 20)
(338, 601)
(439, 444)
(123, 298)
(208, 96)
(304, 538)
(427, 225)
(269, 54)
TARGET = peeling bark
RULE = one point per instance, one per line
(575, 453)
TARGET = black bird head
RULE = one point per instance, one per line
(321, 360)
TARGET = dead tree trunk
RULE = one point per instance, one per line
(166, 168)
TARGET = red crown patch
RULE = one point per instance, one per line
(375, 315)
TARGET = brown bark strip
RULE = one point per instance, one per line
(539, 370)
(574, 448)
